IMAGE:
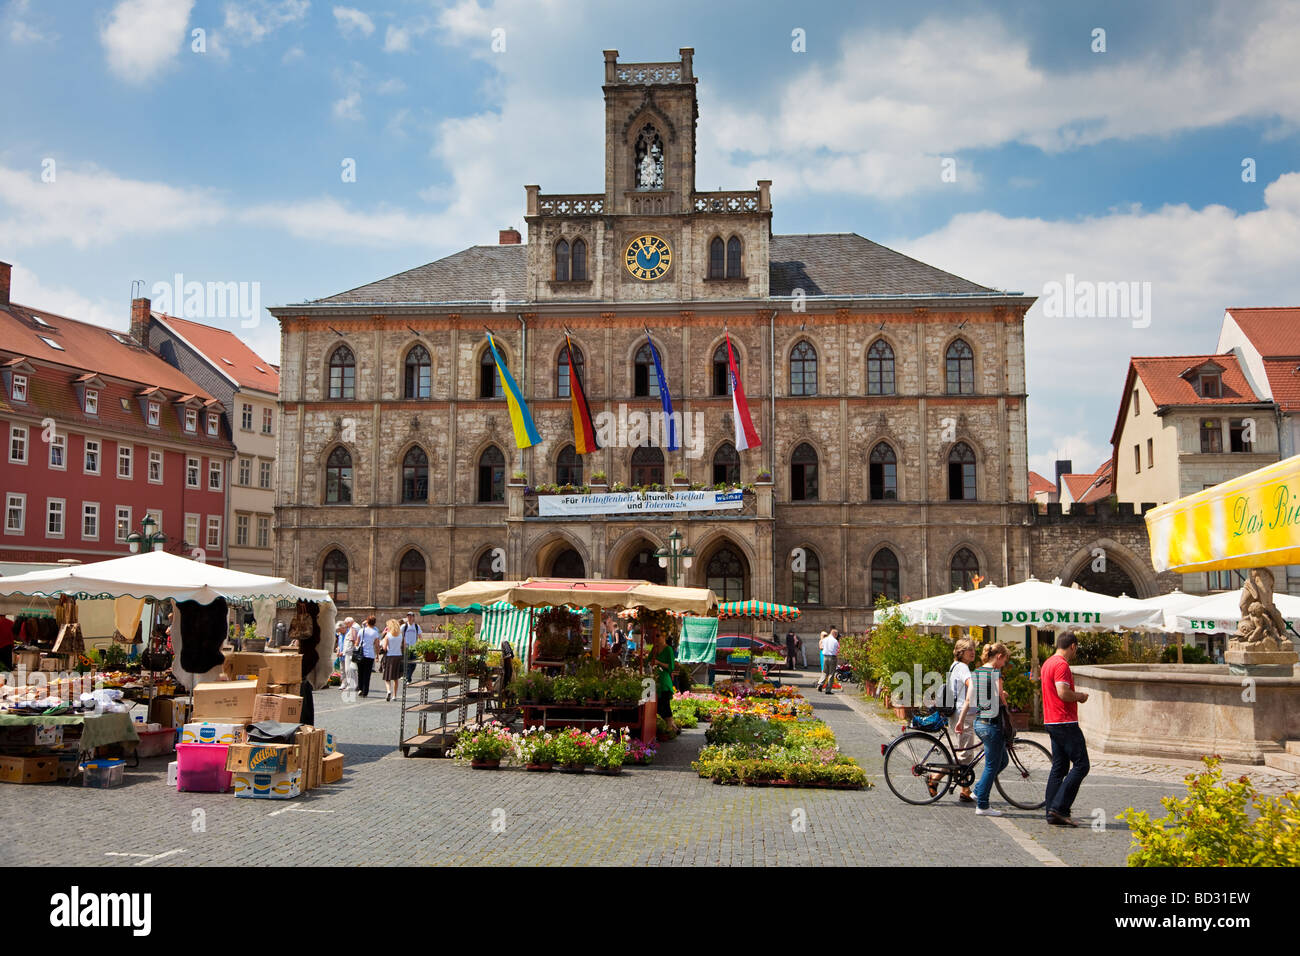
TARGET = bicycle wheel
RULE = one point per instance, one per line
(1023, 783)
(908, 762)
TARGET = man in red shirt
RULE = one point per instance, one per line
(1061, 717)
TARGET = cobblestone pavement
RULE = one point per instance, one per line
(427, 811)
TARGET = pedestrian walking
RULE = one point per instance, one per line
(369, 636)
(351, 641)
(986, 698)
(1061, 718)
(956, 691)
(830, 659)
(393, 647)
(410, 634)
(789, 650)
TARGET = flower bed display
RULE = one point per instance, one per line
(768, 739)
(536, 749)
(590, 685)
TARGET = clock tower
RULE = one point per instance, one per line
(650, 235)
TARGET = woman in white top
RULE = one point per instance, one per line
(392, 647)
(351, 641)
(958, 687)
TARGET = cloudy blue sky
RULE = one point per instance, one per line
(224, 163)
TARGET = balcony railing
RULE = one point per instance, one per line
(726, 202)
(576, 205)
(638, 74)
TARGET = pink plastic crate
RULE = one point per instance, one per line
(201, 768)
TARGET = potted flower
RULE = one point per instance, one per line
(483, 746)
(536, 748)
(599, 479)
(609, 751)
(430, 649)
(680, 479)
(763, 477)
(519, 478)
(574, 750)
(640, 752)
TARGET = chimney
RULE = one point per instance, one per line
(509, 237)
(1063, 467)
(4, 282)
(140, 321)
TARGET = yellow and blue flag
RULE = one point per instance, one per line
(521, 419)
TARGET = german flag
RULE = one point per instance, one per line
(584, 432)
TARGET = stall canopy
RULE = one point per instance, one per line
(577, 592)
(1031, 603)
(156, 576)
(447, 610)
(758, 610)
(1248, 522)
(1221, 613)
(505, 622)
(1169, 605)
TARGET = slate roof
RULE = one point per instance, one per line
(226, 352)
(820, 264)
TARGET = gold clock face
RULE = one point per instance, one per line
(648, 257)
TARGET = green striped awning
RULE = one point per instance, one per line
(762, 610)
(699, 641)
(505, 622)
(446, 610)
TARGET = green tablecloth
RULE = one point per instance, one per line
(98, 730)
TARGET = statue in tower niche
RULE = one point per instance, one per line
(650, 160)
(1261, 626)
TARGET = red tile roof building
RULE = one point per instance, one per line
(98, 433)
(1267, 344)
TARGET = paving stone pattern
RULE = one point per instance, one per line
(429, 811)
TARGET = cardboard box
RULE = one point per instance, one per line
(284, 708)
(173, 773)
(294, 689)
(169, 711)
(214, 732)
(32, 735)
(43, 768)
(225, 699)
(69, 764)
(284, 668)
(311, 744)
(332, 768)
(267, 786)
(262, 758)
(329, 743)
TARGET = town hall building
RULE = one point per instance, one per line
(889, 397)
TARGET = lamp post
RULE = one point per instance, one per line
(148, 538)
(675, 554)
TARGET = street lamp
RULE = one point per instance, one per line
(675, 553)
(146, 537)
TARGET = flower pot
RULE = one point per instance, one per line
(609, 771)
(431, 656)
(486, 764)
(573, 768)
(1020, 720)
(539, 767)
(904, 713)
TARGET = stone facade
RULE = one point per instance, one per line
(838, 294)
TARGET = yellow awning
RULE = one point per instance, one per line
(1247, 522)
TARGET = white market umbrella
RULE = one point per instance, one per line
(1035, 603)
(1169, 605)
(1221, 613)
(927, 610)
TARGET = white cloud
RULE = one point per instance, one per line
(89, 206)
(252, 21)
(351, 20)
(293, 55)
(466, 21)
(391, 85)
(28, 289)
(141, 37)
(1198, 261)
(397, 40)
(21, 30)
(1083, 451)
(349, 107)
(328, 220)
(396, 126)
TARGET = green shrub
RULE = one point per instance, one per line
(894, 648)
(1191, 655)
(684, 715)
(1213, 826)
(1016, 680)
(533, 685)
(854, 651)
(744, 728)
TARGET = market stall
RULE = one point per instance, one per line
(198, 595)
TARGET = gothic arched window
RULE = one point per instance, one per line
(410, 580)
(726, 464)
(489, 379)
(568, 466)
(562, 261)
(647, 465)
(492, 475)
(343, 373)
(884, 575)
(338, 477)
(807, 584)
(334, 576)
(579, 270)
(415, 475)
(733, 258)
(883, 473)
(419, 373)
(562, 387)
(963, 570)
(722, 371)
(649, 156)
(803, 474)
(483, 568)
(880, 368)
(803, 369)
(717, 259)
(645, 383)
(960, 366)
(725, 575)
(961, 473)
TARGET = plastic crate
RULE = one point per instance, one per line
(103, 774)
(201, 768)
(155, 743)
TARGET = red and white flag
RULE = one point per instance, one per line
(746, 434)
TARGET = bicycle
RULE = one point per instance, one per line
(914, 756)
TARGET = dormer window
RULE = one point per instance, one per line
(154, 411)
(20, 388)
(191, 419)
(92, 401)
(212, 425)
(1211, 385)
